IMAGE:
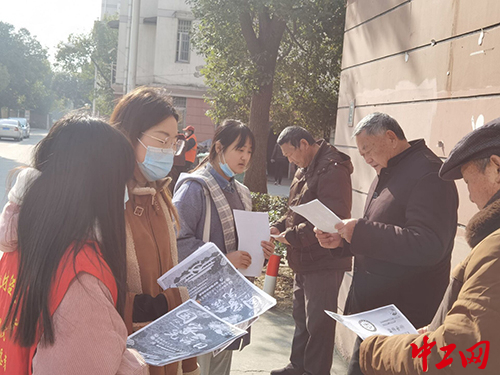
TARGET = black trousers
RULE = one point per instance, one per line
(279, 170)
(314, 336)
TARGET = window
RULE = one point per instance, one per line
(180, 107)
(183, 41)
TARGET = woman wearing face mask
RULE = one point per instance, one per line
(229, 155)
(148, 119)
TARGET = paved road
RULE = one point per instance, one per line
(13, 154)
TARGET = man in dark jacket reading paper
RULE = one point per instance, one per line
(464, 335)
(325, 174)
(402, 245)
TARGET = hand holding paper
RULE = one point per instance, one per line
(252, 228)
(319, 215)
(328, 240)
(387, 320)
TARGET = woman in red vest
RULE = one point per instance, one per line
(63, 289)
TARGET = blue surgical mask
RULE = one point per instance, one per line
(225, 168)
(157, 163)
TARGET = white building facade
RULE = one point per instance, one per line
(165, 57)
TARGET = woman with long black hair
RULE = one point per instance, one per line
(63, 289)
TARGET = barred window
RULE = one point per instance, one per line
(183, 41)
(180, 104)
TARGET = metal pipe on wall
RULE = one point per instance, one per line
(134, 42)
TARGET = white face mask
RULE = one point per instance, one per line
(126, 199)
(157, 163)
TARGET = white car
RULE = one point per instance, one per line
(11, 129)
(25, 126)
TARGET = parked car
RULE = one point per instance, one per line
(25, 125)
(11, 129)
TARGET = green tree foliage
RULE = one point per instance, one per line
(275, 60)
(25, 73)
(78, 59)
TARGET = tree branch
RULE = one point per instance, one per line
(294, 39)
(253, 44)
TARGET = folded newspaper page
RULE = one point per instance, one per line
(387, 320)
(188, 331)
(318, 215)
(213, 281)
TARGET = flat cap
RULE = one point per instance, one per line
(480, 143)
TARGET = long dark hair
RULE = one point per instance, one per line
(226, 134)
(85, 164)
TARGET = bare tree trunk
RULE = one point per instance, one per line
(256, 176)
(264, 52)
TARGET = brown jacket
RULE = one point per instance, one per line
(403, 243)
(151, 251)
(328, 179)
(472, 308)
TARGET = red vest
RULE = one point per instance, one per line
(191, 154)
(14, 359)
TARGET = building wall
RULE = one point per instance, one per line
(110, 8)
(432, 65)
(156, 63)
(195, 116)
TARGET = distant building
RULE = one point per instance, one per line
(110, 8)
(165, 57)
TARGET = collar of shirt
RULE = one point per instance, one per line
(227, 186)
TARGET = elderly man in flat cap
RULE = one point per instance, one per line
(464, 336)
(403, 243)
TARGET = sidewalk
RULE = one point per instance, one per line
(281, 190)
(270, 345)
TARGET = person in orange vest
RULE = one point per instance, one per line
(191, 147)
(63, 289)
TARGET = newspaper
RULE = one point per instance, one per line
(188, 331)
(387, 320)
(213, 281)
(318, 215)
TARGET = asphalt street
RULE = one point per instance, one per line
(14, 154)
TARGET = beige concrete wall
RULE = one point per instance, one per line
(432, 65)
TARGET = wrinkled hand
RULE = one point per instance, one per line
(240, 259)
(282, 238)
(346, 228)
(267, 248)
(328, 240)
(423, 330)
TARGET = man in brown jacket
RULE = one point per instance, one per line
(403, 243)
(464, 335)
(323, 174)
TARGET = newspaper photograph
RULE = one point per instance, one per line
(214, 282)
(187, 331)
(387, 320)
